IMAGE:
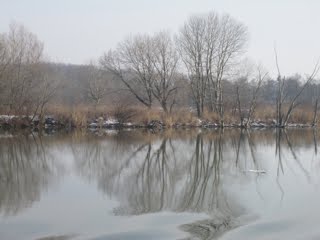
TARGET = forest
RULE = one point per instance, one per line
(197, 76)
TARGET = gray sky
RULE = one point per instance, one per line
(77, 31)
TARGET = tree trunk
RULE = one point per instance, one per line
(315, 113)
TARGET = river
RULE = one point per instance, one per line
(175, 184)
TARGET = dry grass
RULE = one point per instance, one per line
(265, 113)
(181, 116)
(80, 115)
(209, 116)
(145, 115)
(302, 114)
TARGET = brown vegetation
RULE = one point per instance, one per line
(194, 78)
(132, 117)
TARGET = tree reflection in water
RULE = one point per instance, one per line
(182, 173)
(26, 169)
(165, 173)
(178, 171)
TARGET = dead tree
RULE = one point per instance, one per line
(256, 85)
(253, 103)
(284, 115)
(241, 115)
(315, 109)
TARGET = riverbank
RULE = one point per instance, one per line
(8, 122)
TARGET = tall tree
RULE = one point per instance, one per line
(131, 63)
(208, 45)
(232, 37)
(165, 60)
(23, 53)
(192, 47)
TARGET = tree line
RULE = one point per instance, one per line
(201, 66)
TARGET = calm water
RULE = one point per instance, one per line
(172, 185)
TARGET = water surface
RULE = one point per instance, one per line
(208, 184)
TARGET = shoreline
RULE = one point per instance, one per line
(51, 123)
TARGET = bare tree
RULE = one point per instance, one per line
(131, 63)
(259, 80)
(315, 109)
(27, 83)
(208, 45)
(231, 43)
(191, 42)
(164, 59)
(48, 83)
(252, 97)
(23, 53)
(283, 115)
(240, 105)
(97, 84)
(4, 59)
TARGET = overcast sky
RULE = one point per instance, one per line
(77, 31)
